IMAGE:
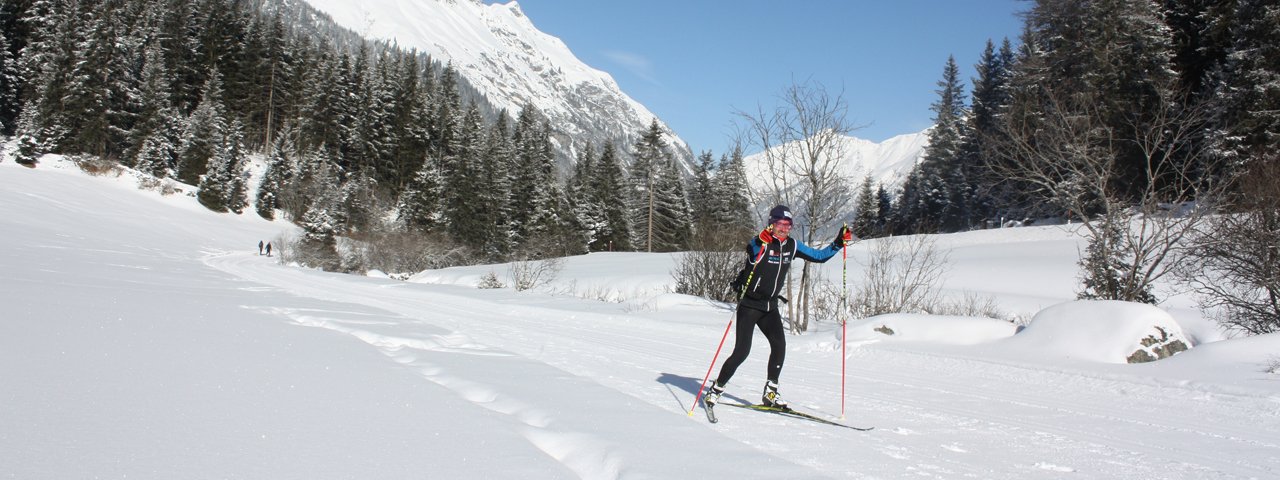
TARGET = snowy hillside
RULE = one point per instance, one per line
(143, 336)
(512, 63)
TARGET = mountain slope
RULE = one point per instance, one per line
(512, 63)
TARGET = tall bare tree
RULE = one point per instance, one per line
(803, 141)
(1069, 154)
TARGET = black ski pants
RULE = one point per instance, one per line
(770, 324)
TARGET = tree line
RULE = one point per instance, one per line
(360, 138)
(1149, 120)
(1211, 65)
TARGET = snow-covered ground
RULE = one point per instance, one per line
(142, 336)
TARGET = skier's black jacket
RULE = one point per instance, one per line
(771, 269)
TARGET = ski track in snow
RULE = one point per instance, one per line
(930, 425)
(437, 351)
(587, 455)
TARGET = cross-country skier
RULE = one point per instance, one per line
(769, 257)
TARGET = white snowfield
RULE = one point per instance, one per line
(142, 336)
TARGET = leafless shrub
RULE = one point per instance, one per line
(826, 303)
(96, 166)
(402, 252)
(1234, 262)
(311, 254)
(527, 274)
(1273, 365)
(165, 186)
(972, 304)
(282, 248)
(708, 274)
(902, 275)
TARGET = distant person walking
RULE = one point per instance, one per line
(760, 283)
(268, 249)
(259, 247)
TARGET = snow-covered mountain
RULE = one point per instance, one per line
(887, 162)
(512, 63)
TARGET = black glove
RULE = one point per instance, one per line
(843, 237)
(739, 282)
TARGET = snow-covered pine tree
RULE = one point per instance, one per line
(155, 113)
(659, 208)
(214, 184)
(1103, 268)
(610, 188)
(323, 99)
(553, 228)
(730, 193)
(493, 199)
(29, 148)
(671, 209)
(586, 208)
(236, 174)
(319, 244)
(990, 99)
(446, 114)
(884, 207)
(158, 153)
(56, 29)
(344, 127)
(868, 209)
(356, 211)
(222, 188)
(9, 82)
(315, 175)
(408, 124)
(204, 131)
(419, 205)
(463, 181)
(102, 86)
(277, 175)
(947, 190)
(529, 191)
(223, 32)
(1248, 88)
(701, 194)
(1116, 52)
(933, 196)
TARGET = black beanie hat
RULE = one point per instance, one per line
(778, 213)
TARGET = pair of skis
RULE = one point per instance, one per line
(786, 412)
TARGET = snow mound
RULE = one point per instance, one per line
(951, 330)
(1102, 331)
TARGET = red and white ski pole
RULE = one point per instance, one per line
(844, 307)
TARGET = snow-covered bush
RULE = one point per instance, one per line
(490, 281)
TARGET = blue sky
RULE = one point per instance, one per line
(694, 62)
